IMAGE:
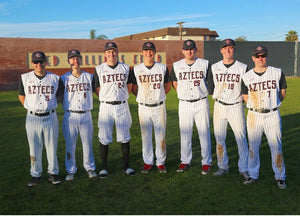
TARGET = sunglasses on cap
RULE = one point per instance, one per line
(260, 56)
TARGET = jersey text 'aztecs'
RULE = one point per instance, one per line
(78, 91)
(191, 79)
(227, 81)
(113, 82)
(151, 83)
(263, 90)
(40, 93)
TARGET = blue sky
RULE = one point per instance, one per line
(258, 20)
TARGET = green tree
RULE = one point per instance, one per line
(291, 36)
(241, 38)
(93, 35)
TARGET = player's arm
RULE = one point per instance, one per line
(167, 82)
(173, 79)
(96, 83)
(21, 93)
(130, 80)
(282, 87)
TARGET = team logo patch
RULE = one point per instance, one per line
(148, 45)
(38, 55)
(227, 41)
(73, 52)
(259, 48)
(188, 43)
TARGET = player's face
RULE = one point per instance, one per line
(75, 62)
(39, 66)
(227, 52)
(111, 56)
(148, 54)
(189, 54)
(260, 60)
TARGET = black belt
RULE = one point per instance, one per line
(226, 104)
(113, 102)
(80, 112)
(263, 110)
(192, 101)
(152, 105)
(42, 114)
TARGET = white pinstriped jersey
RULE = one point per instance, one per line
(150, 83)
(40, 93)
(227, 81)
(191, 80)
(78, 91)
(113, 82)
(263, 91)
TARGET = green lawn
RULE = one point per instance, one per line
(147, 194)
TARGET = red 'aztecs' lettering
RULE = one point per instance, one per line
(76, 87)
(40, 89)
(228, 77)
(265, 85)
(114, 78)
(150, 78)
(191, 75)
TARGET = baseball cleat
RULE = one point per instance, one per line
(221, 172)
(245, 174)
(70, 177)
(281, 184)
(205, 169)
(250, 181)
(146, 168)
(92, 174)
(162, 169)
(54, 179)
(103, 174)
(129, 171)
(182, 167)
(34, 181)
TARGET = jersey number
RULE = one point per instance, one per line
(120, 85)
(156, 85)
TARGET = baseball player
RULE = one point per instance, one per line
(150, 85)
(263, 89)
(38, 94)
(224, 84)
(77, 104)
(189, 80)
(112, 86)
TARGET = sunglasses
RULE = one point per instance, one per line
(39, 61)
(260, 56)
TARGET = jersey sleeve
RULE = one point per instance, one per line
(21, 88)
(134, 82)
(244, 88)
(61, 88)
(173, 76)
(282, 81)
(96, 82)
(130, 76)
(210, 81)
(167, 76)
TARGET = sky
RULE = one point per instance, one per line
(257, 20)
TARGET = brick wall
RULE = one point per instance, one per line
(14, 60)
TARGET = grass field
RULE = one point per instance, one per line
(147, 194)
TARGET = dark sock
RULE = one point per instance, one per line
(103, 155)
(125, 151)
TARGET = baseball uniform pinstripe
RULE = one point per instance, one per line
(264, 117)
(228, 108)
(77, 104)
(41, 120)
(152, 110)
(193, 106)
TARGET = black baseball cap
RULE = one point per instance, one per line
(149, 46)
(73, 53)
(260, 50)
(38, 56)
(189, 44)
(227, 42)
(110, 45)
